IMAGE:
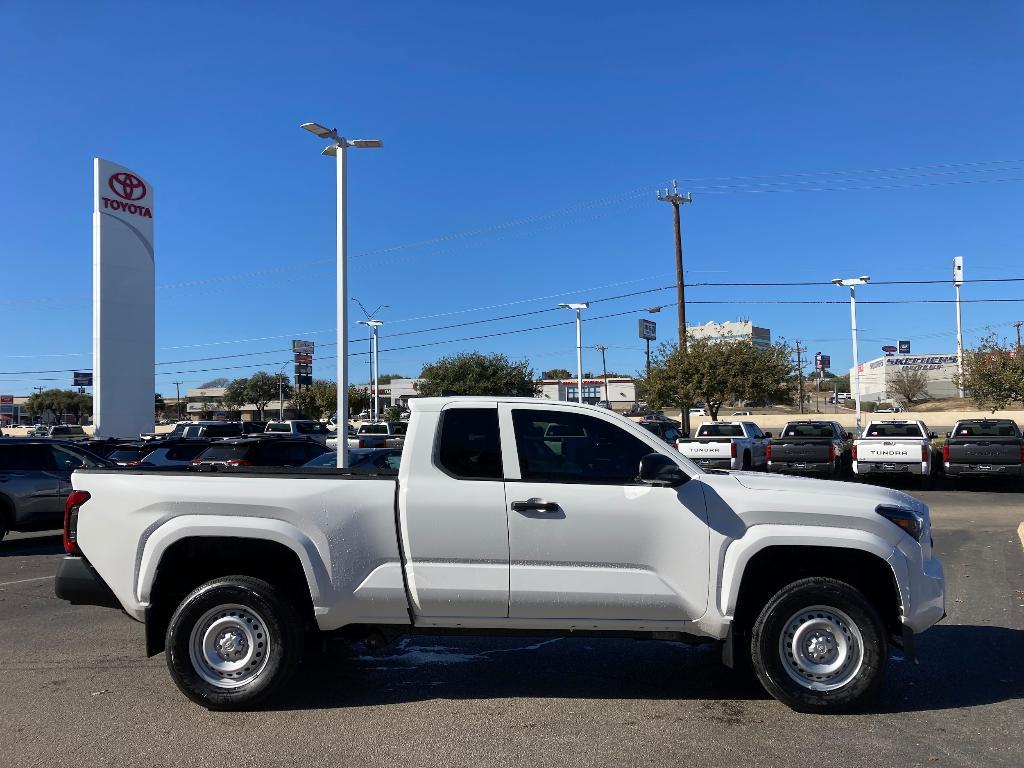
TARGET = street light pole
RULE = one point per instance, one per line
(579, 346)
(375, 324)
(852, 284)
(676, 198)
(338, 148)
(958, 279)
(177, 389)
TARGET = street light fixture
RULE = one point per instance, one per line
(341, 143)
(579, 346)
(852, 283)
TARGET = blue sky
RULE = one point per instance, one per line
(523, 147)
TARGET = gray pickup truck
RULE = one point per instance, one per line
(984, 448)
(811, 448)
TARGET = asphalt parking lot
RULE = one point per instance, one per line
(77, 689)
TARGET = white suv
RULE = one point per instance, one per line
(315, 430)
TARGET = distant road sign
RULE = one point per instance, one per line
(81, 379)
(303, 347)
(822, 362)
(303, 359)
(889, 349)
(648, 329)
(6, 399)
(905, 346)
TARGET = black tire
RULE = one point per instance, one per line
(5, 519)
(746, 461)
(251, 611)
(825, 602)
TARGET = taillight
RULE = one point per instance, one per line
(361, 444)
(1022, 453)
(924, 453)
(853, 452)
(135, 463)
(831, 452)
(945, 452)
(196, 462)
(74, 503)
(768, 452)
(732, 449)
(238, 463)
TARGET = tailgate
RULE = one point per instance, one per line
(889, 451)
(810, 450)
(985, 451)
(709, 448)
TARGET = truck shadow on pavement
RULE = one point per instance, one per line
(960, 666)
(42, 544)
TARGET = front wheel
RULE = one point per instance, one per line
(819, 646)
(233, 642)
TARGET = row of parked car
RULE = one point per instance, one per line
(35, 471)
(986, 448)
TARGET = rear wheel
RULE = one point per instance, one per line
(819, 646)
(233, 642)
(5, 520)
(746, 461)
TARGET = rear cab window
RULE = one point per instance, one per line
(909, 429)
(469, 444)
(988, 429)
(720, 430)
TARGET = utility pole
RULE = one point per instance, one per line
(1017, 325)
(601, 348)
(800, 371)
(177, 389)
(280, 396)
(676, 199)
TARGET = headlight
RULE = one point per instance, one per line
(908, 520)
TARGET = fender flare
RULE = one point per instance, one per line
(761, 537)
(164, 534)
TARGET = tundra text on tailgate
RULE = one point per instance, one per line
(507, 515)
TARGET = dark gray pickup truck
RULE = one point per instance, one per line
(984, 448)
(811, 448)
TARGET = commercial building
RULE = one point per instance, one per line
(741, 330)
(876, 375)
(621, 391)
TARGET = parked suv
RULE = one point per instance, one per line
(67, 432)
(316, 430)
(35, 480)
(261, 451)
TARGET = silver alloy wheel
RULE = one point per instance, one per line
(821, 648)
(229, 646)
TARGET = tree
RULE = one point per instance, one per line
(993, 374)
(59, 402)
(473, 373)
(909, 386)
(717, 372)
(159, 405)
(556, 373)
(258, 389)
(214, 383)
(320, 399)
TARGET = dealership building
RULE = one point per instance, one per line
(876, 375)
(621, 391)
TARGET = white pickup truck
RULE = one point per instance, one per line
(507, 515)
(895, 446)
(727, 445)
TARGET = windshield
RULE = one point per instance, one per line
(894, 430)
(987, 429)
(311, 428)
(373, 429)
(720, 430)
(279, 426)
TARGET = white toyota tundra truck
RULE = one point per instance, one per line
(507, 515)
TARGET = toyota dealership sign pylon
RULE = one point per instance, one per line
(123, 301)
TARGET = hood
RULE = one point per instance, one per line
(813, 488)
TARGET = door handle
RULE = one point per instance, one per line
(535, 505)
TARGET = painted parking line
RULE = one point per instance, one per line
(25, 581)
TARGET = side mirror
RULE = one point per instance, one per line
(848, 436)
(767, 434)
(931, 435)
(949, 434)
(659, 470)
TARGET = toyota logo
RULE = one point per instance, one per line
(127, 186)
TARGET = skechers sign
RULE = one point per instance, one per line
(922, 363)
(129, 188)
